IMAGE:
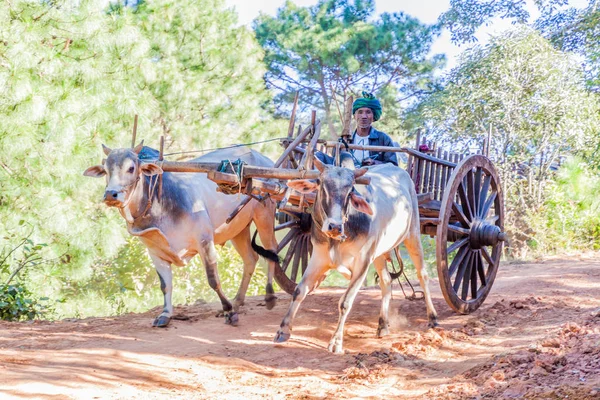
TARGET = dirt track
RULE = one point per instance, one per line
(537, 336)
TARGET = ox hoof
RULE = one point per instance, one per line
(432, 323)
(335, 347)
(161, 321)
(232, 318)
(270, 302)
(281, 337)
(381, 332)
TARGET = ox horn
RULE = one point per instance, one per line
(106, 149)
(138, 148)
(360, 172)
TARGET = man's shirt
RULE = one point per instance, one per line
(375, 138)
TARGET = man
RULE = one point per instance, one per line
(367, 110)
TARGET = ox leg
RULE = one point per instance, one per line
(209, 257)
(310, 280)
(345, 305)
(242, 245)
(415, 251)
(163, 269)
(264, 219)
(385, 283)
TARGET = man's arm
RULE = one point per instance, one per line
(389, 156)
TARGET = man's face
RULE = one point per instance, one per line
(364, 117)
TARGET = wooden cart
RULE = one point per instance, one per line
(460, 204)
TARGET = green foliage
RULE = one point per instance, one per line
(19, 257)
(533, 99)
(336, 48)
(569, 28)
(72, 76)
(570, 216)
(18, 303)
(129, 283)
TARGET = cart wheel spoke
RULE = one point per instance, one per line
(460, 215)
(488, 204)
(474, 268)
(459, 230)
(289, 254)
(456, 245)
(471, 192)
(297, 255)
(287, 238)
(486, 255)
(457, 260)
(305, 253)
(461, 271)
(477, 189)
(289, 224)
(481, 270)
(467, 277)
(483, 195)
(466, 207)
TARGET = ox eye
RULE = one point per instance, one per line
(131, 169)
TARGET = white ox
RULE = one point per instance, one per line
(187, 216)
(348, 238)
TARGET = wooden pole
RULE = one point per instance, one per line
(489, 140)
(293, 117)
(292, 146)
(135, 121)
(162, 148)
(347, 118)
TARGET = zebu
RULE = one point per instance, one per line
(185, 215)
(383, 215)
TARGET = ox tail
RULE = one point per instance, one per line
(281, 278)
(261, 251)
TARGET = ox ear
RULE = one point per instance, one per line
(360, 172)
(106, 149)
(150, 169)
(97, 171)
(138, 148)
(360, 203)
(304, 185)
(319, 164)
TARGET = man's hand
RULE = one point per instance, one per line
(369, 161)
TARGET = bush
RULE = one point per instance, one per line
(17, 303)
(570, 216)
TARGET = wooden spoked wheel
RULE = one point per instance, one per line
(470, 234)
(294, 248)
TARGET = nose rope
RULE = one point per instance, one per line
(151, 189)
(318, 212)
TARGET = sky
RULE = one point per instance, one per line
(426, 11)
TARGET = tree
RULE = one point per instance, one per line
(72, 76)
(568, 28)
(335, 48)
(533, 99)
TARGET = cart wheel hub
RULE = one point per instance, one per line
(483, 234)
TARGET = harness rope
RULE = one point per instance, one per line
(126, 212)
(226, 147)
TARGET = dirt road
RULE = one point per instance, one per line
(537, 337)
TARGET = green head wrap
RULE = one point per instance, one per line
(369, 101)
